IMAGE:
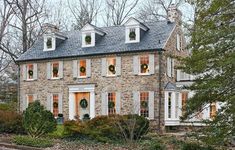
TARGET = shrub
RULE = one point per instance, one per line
(34, 142)
(152, 145)
(11, 122)
(37, 121)
(109, 128)
(58, 133)
(195, 146)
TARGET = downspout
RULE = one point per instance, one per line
(18, 87)
(160, 87)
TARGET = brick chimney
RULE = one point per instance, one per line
(49, 28)
(174, 14)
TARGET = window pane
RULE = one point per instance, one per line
(30, 71)
(132, 34)
(144, 64)
(144, 101)
(55, 70)
(111, 103)
(55, 105)
(82, 68)
(30, 99)
(111, 66)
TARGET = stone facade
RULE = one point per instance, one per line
(126, 83)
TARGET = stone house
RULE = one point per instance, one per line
(109, 70)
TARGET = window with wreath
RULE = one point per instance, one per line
(111, 103)
(49, 43)
(29, 71)
(212, 110)
(88, 39)
(144, 101)
(55, 70)
(144, 64)
(132, 34)
(55, 106)
(82, 68)
(29, 99)
(111, 66)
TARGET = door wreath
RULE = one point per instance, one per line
(82, 69)
(144, 104)
(111, 104)
(30, 72)
(112, 68)
(83, 103)
(144, 66)
(55, 104)
(132, 35)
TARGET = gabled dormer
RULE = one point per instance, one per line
(90, 34)
(51, 37)
(134, 30)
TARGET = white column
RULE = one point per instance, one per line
(71, 106)
(92, 104)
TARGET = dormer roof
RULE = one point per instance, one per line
(90, 27)
(134, 22)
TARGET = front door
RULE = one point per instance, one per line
(82, 105)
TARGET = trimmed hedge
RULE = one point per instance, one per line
(11, 122)
(34, 142)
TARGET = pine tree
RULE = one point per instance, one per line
(213, 63)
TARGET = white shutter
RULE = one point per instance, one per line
(118, 102)
(173, 68)
(151, 64)
(78, 72)
(35, 71)
(61, 68)
(104, 67)
(178, 42)
(136, 65)
(178, 75)
(88, 67)
(24, 102)
(49, 102)
(60, 105)
(104, 103)
(48, 70)
(136, 102)
(118, 66)
(75, 68)
(24, 72)
(168, 66)
(151, 105)
(35, 97)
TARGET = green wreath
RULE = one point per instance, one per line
(132, 35)
(83, 103)
(30, 72)
(55, 70)
(49, 43)
(111, 104)
(82, 69)
(144, 104)
(144, 66)
(55, 104)
(112, 68)
(88, 39)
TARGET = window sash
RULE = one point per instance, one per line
(144, 97)
(112, 98)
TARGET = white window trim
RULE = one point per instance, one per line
(53, 43)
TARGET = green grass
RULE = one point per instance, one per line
(58, 133)
(34, 142)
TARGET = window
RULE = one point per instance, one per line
(212, 110)
(29, 99)
(170, 67)
(144, 64)
(55, 100)
(169, 104)
(144, 100)
(82, 68)
(55, 70)
(132, 34)
(111, 66)
(49, 43)
(111, 103)
(184, 102)
(88, 39)
(29, 71)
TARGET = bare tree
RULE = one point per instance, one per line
(84, 11)
(117, 11)
(28, 14)
(156, 9)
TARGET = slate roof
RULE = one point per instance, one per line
(112, 42)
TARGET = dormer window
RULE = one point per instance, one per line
(89, 35)
(134, 29)
(49, 43)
